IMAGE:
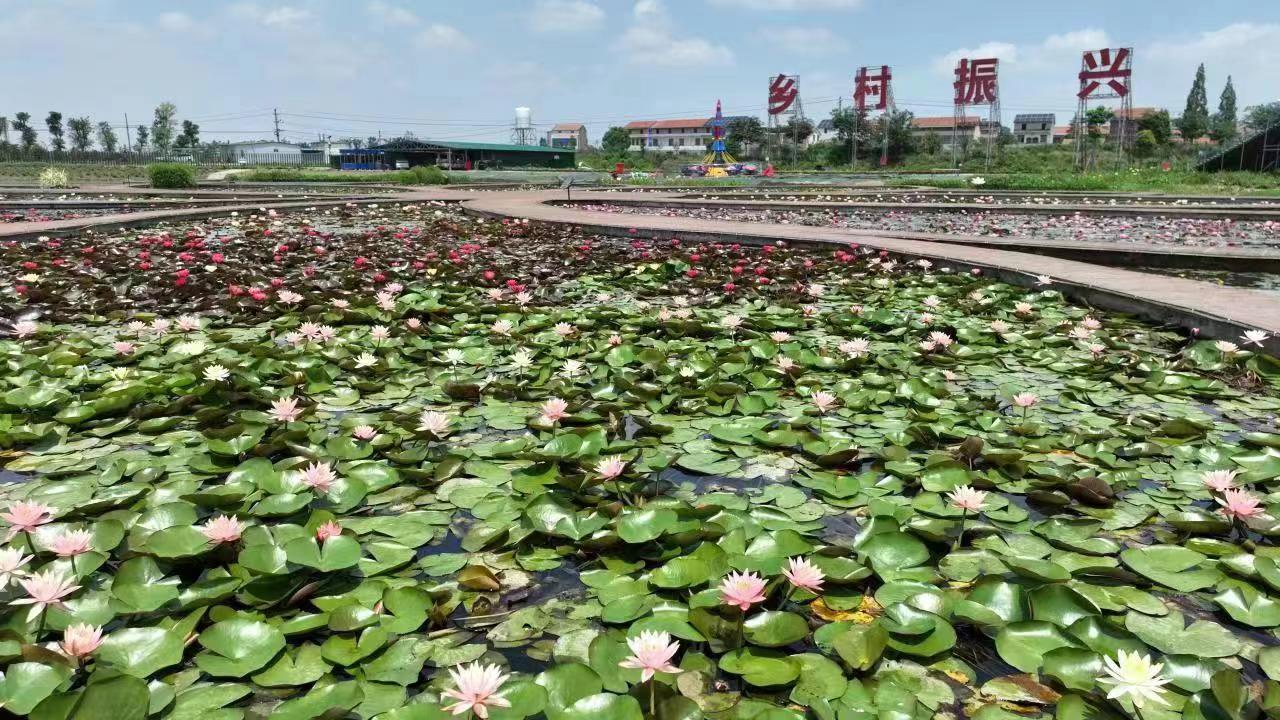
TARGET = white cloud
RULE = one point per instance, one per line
(1076, 42)
(1248, 52)
(803, 40)
(789, 5)
(650, 41)
(1006, 52)
(388, 14)
(174, 21)
(439, 36)
(565, 16)
(284, 16)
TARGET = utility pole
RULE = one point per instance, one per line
(128, 139)
(275, 112)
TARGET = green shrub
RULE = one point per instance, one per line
(424, 175)
(171, 175)
(54, 178)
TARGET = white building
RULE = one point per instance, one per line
(264, 151)
(672, 136)
(1033, 128)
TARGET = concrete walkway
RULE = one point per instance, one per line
(1220, 312)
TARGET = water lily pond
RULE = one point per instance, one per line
(369, 451)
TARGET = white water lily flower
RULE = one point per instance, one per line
(1135, 677)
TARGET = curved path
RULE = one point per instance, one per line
(1123, 254)
(1202, 212)
(1217, 311)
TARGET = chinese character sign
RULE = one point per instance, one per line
(868, 85)
(976, 81)
(1114, 66)
(783, 91)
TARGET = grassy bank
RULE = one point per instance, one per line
(21, 173)
(1146, 180)
(414, 176)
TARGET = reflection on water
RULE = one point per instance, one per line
(1262, 281)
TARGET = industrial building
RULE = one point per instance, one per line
(403, 153)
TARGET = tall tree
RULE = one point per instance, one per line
(22, 123)
(1096, 118)
(616, 140)
(190, 136)
(107, 137)
(143, 136)
(739, 132)
(1194, 122)
(162, 126)
(1225, 125)
(849, 123)
(1257, 117)
(81, 133)
(54, 123)
(1160, 125)
(897, 125)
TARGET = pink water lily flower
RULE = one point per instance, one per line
(285, 409)
(223, 529)
(967, 499)
(823, 401)
(436, 423)
(804, 574)
(610, 467)
(651, 653)
(11, 563)
(1240, 504)
(1026, 400)
(123, 347)
(79, 641)
(554, 410)
(364, 432)
(742, 590)
(45, 590)
(318, 476)
(476, 689)
(25, 516)
(70, 544)
(1219, 480)
(330, 529)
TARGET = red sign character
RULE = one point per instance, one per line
(976, 81)
(874, 85)
(1110, 65)
(782, 93)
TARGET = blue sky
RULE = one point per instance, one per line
(455, 69)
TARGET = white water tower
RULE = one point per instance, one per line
(522, 132)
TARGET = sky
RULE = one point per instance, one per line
(455, 69)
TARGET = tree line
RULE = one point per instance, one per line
(80, 134)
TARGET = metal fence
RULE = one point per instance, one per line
(201, 156)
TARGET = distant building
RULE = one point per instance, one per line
(412, 152)
(1062, 134)
(1124, 125)
(263, 151)
(674, 136)
(1033, 128)
(825, 130)
(945, 129)
(572, 136)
